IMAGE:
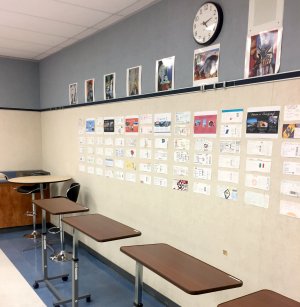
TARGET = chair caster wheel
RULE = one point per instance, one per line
(65, 278)
(35, 285)
(88, 299)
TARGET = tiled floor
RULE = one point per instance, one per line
(106, 286)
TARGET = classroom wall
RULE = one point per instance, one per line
(262, 245)
(162, 30)
(19, 84)
(20, 138)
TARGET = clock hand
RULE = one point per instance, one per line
(205, 22)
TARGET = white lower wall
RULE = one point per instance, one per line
(20, 138)
(263, 246)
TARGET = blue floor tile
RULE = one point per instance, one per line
(106, 286)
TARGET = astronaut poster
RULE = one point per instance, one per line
(263, 53)
(206, 65)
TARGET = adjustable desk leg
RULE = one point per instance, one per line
(138, 290)
(75, 273)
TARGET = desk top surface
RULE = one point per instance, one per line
(262, 298)
(60, 205)
(184, 271)
(100, 227)
(39, 179)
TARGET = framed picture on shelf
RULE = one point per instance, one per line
(164, 74)
(89, 86)
(73, 94)
(109, 86)
(133, 81)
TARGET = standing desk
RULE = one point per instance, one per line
(55, 206)
(262, 298)
(101, 229)
(191, 275)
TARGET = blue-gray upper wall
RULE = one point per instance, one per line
(19, 84)
(162, 30)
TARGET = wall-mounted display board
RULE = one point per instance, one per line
(187, 170)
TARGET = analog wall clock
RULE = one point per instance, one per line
(208, 23)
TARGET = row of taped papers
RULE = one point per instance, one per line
(262, 122)
(257, 199)
(229, 148)
(290, 208)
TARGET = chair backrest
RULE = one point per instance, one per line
(73, 191)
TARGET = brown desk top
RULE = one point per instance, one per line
(262, 298)
(184, 271)
(100, 227)
(60, 205)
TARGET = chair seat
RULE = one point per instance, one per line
(28, 189)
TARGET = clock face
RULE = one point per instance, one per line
(207, 23)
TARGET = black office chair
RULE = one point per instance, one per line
(32, 189)
(62, 255)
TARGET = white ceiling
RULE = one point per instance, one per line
(34, 29)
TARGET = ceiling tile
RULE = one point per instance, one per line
(107, 22)
(54, 10)
(110, 6)
(21, 45)
(38, 24)
(29, 36)
(138, 6)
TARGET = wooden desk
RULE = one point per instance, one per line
(101, 229)
(55, 206)
(184, 271)
(262, 298)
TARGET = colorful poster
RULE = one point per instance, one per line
(205, 123)
(90, 125)
(291, 131)
(109, 125)
(132, 124)
(262, 122)
(109, 86)
(164, 76)
(263, 53)
(134, 80)
(89, 87)
(162, 123)
(206, 65)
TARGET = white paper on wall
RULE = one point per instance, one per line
(182, 117)
(203, 159)
(229, 193)
(257, 199)
(131, 177)
(119, 163)
(120, 152)
(290, 150)
(91, 170)
(181, 156)
(146, 154)
(109, 162)
(181, 144)
(180, 170)
(203, 145)
(232, 116)
(292, 112)
(291, 188)
(202, 173)
(161, 155)
(108, 141)
(145, 179)
(146, 119)
(230, 146)
(119, 175)
(257, 182)
(258, 165)
(180, 185)
(291, 168)
(108, 173)
(160, 168)
(109, 152)
(145, 143)
(161, 143)
(159, 181)
(201, 188)
(99, 171)
(231, 131)
(229, 161)
(259, 148)
(228, 176)
(145, 167)
(290, 208)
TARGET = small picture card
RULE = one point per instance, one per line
(164, 76)
(89, 87)
(73, 97)
(109, 86)
(134, 81)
